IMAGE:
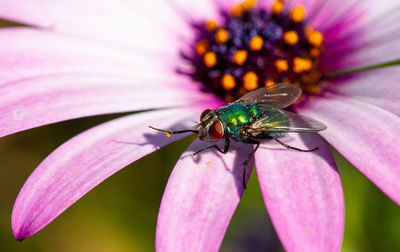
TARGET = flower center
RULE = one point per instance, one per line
(252, 48)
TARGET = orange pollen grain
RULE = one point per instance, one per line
(221, 36)
(313, 89)
(301, 65)
(281, 65)
(239, 57)
(291, 37)
(269, 83)
(315, 52)
(297, 14)
(211, 25)
(248, 4)
(256, 43)
(202, 47)
(277, 7)
(250, 81)
(315, 38)
(239, 9)
(210, 59)
(228, 82)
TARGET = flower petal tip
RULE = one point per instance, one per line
(19, 236)
(19, 239)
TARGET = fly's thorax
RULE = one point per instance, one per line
(210, 127)
(234, 116)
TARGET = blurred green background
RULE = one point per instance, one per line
(120, 214)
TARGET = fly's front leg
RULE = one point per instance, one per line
(291, 147)
(248, 159)
(169, 133)
(226, 148)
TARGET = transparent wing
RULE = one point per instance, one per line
(280, 95)
(292, 123)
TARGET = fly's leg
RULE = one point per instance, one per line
(169, 133)
(226, 148)
(248, 159)
(291, 147)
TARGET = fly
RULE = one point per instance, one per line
(255, 116)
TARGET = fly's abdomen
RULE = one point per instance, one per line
(235, 116)
(272, 117)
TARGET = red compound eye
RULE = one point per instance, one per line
(216, 130)
(205, 112)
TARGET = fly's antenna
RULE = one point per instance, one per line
(169, 133)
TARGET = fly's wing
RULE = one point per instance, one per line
(280, 95)
(291, 122)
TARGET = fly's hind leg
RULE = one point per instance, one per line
(226, 148)
(291, 147)
(248, 159)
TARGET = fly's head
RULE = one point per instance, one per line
(210, 127)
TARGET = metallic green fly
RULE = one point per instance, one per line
(253, 117)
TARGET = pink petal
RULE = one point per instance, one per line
(122, 23)
(303, 193)
(85, 161)
(333, 12)
(27, 52)
(364, 34)
(196, 10)
(379, 87)
(366, 51)
(38, 101)
(200, 198)
(365, 135)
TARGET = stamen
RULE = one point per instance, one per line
(277, 7)
(291, 37)
(239, 9)
(247, 5)
(301, 65)
(315, 38)
(228, 82)
(297, 14)
(269, 82)
(202, 47)
(211, 25)
(313, 89)
(315, 52)
(239, 57)
(221, 36)
(250, 81)
(310, 78)
(256, 43)
(281, 65)
(210, 59)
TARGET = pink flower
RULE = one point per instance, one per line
(84, 58)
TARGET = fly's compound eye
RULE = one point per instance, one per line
(216, 130)
(205, 112)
